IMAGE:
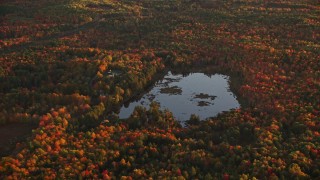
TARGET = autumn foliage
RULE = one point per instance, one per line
(68, 66)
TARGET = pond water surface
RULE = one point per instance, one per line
(196, 93)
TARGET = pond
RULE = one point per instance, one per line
(196, 93)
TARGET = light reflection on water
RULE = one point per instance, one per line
(196, 93)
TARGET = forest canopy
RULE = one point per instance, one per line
(67, 66)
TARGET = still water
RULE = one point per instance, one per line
(195, 93)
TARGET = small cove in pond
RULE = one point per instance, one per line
(196, 93)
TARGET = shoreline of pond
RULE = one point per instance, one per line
(234, 82)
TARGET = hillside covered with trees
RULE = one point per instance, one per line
(58, 82)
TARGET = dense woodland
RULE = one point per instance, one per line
(56, 57)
